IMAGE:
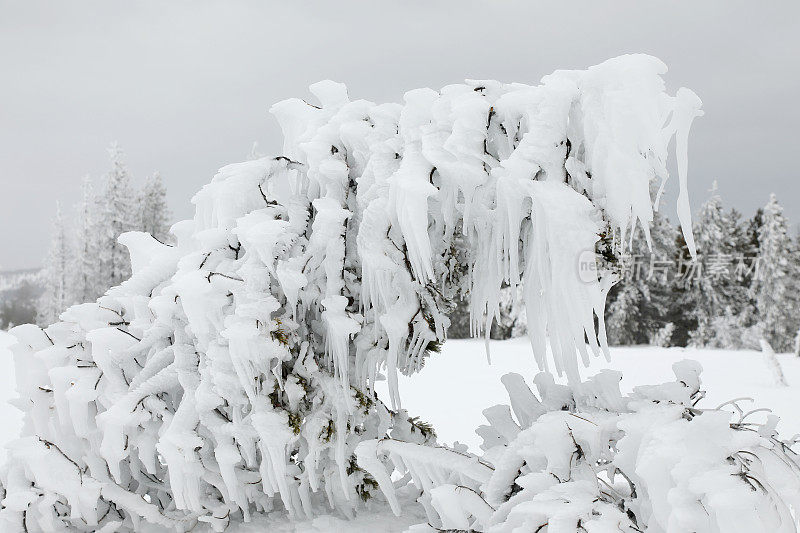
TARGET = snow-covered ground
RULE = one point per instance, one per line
(456, 385)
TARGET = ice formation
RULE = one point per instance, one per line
(233, 372)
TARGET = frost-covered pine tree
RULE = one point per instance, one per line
(718, 300)
(740, 236)
(623, 319)
(777, 284)
(739, 326)
(83, 267)
(116, 214)
(154, 214)
(752, 231)
(54, 299)
(233, 373)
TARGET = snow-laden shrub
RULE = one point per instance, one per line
(586, 458)
(233, 372)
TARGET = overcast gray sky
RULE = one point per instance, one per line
(184, 86)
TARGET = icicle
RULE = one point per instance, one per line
(395, 323)
(341, 444)
(409, 193)
(274, 436)
(340, 327)
(367, 456)
(687, 108)
(559, 300)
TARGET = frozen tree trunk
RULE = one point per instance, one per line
(773, 364)
(797, 344)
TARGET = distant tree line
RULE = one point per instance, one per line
(85, 259)
(743, 287)
(19, 292)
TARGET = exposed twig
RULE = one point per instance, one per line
(234, 278)
(48, 444)
(129, 334)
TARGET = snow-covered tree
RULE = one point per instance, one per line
(54, 299)
(83, 267)
(712, 284)
(777, 284)
(624, 316)
(154, 214)
(738, 326)
(740, 233)
(753, 230)
(234, 372)
(116, 214)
